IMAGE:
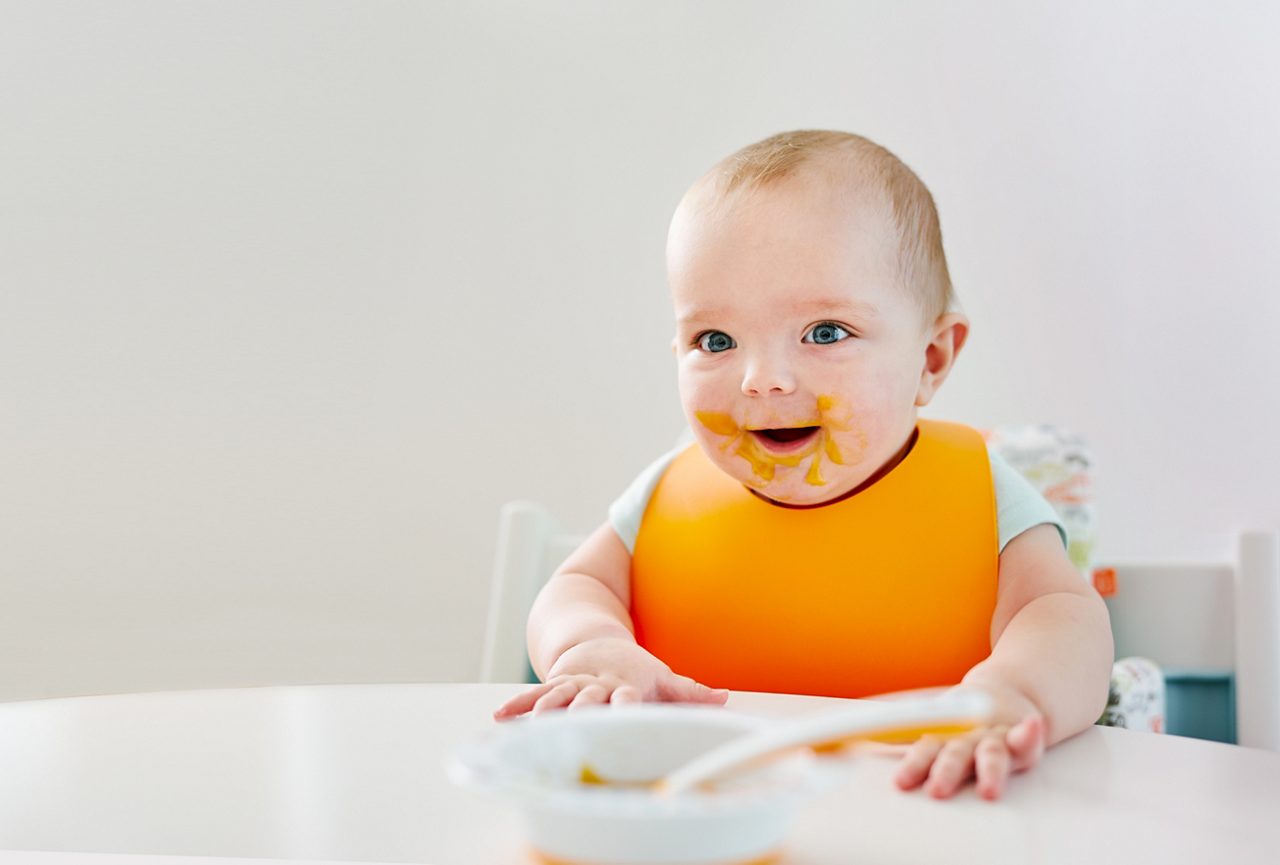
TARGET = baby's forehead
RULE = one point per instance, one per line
(858, 200)
(837, 190)
(822, 241)
(804, 216)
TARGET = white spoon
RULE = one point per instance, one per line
(901, 719)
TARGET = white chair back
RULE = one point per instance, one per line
(1207, 620)
(530, 548)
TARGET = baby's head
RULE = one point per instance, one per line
(812, 306)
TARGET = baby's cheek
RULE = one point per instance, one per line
(726, 452)
(699, 393)
(849, 446)
(719, 449)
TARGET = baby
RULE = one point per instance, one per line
(819, 538)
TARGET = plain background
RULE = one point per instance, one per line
(294, 295)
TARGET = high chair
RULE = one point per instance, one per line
(1198, 644)
(1213, 628)
(530, 547)
(1198, 649)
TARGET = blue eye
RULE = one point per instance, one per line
(826, 333)
(715, 341)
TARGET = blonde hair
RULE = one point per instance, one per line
(922, 264)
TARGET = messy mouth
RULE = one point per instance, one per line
(786, 438)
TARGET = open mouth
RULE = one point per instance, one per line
(786, 438)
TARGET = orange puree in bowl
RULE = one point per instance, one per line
(591, 777)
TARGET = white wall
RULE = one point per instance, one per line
(295, 295)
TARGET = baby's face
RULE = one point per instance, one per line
(800, 354)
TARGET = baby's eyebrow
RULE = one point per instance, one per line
(836, 304)
(808, 306)
(699, 316)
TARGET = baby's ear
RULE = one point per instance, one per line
(948, 336)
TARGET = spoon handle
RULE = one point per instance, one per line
(896, 720)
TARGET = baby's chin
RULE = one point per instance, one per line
(789, 486)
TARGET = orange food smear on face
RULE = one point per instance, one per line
(814, 476)
(764, 463)
(719, 423)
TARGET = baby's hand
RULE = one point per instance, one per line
(1013, 743)
(608, 670)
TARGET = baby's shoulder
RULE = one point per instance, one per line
(627, 510)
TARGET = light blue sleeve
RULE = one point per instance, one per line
(627, 510)
(1019, 506)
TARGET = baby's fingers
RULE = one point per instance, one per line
(590, 695)
(558, 697)
(521, 703)
(1017, 751)
(951, 768)
(914, 767)
(625, 694)
(682, 689)
(1026, 742)
(991, 765)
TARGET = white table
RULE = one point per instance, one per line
(353, 772)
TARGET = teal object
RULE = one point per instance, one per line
(1200, 703)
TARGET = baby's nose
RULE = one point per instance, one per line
(768, 377)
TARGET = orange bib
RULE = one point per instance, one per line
(891, 588)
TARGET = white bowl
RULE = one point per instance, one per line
(537, 763)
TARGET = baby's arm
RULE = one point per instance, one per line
(581, 641)
(1049, 670)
